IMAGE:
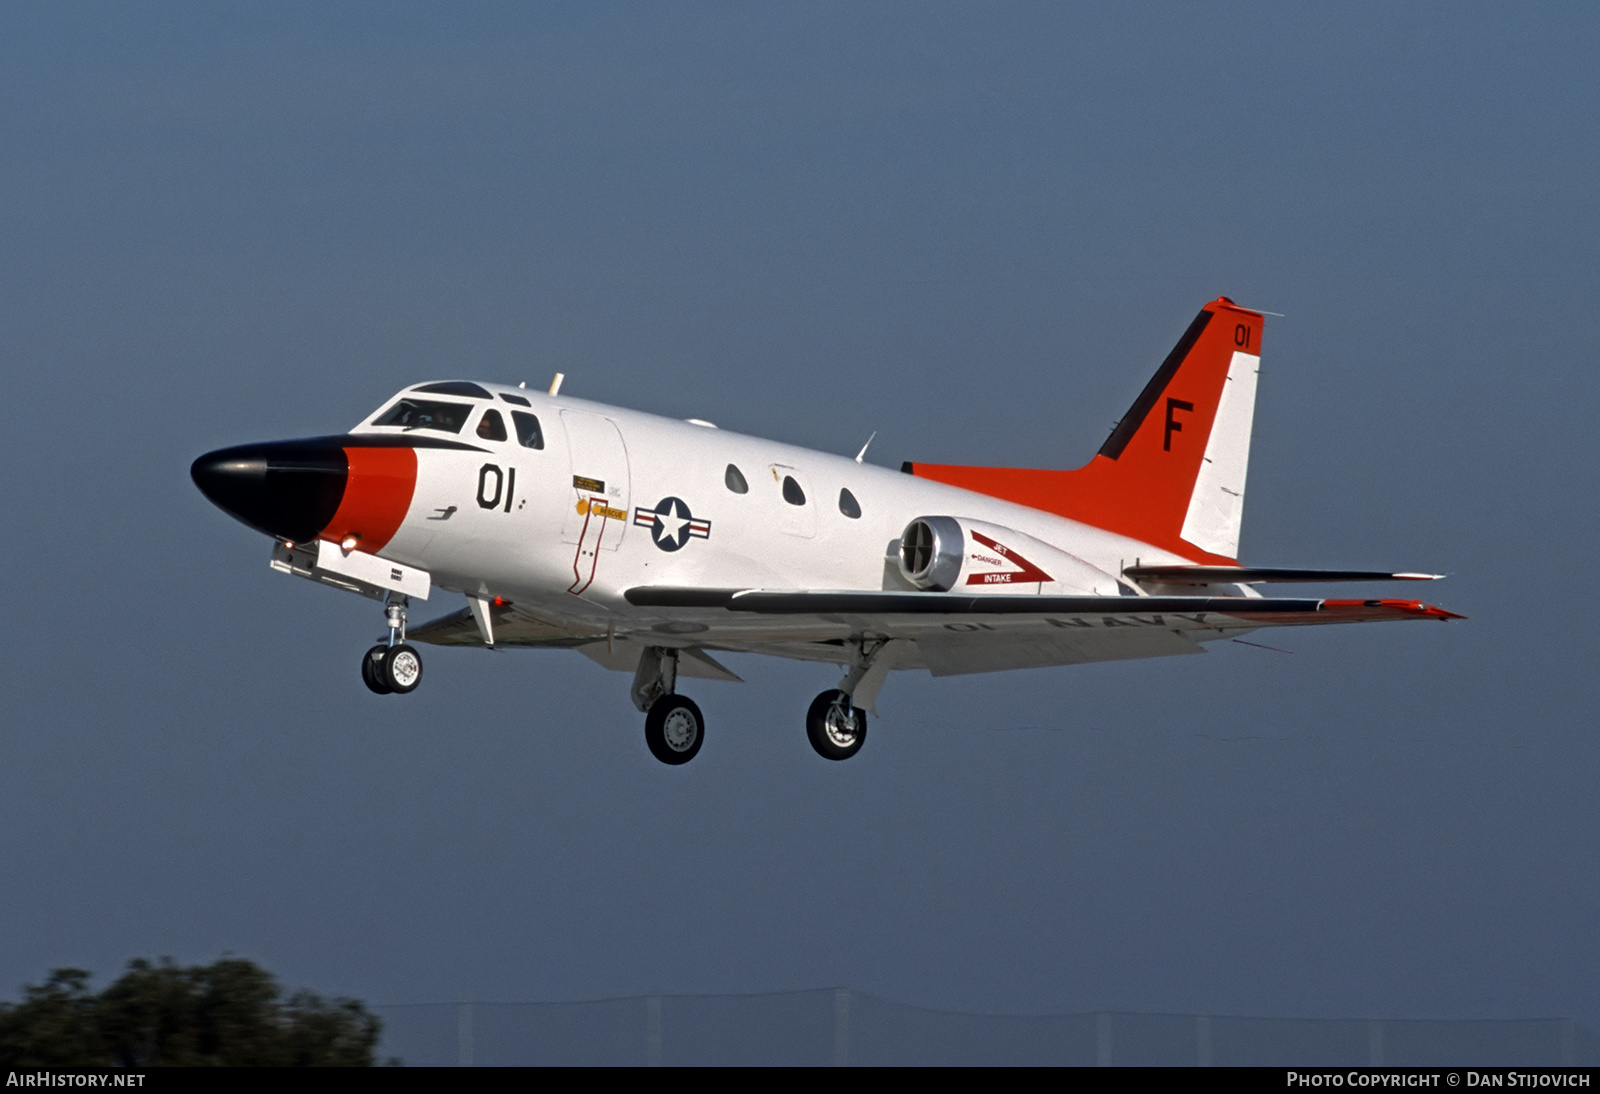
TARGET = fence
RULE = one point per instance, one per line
(840, 1027)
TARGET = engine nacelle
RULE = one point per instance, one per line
(955, 554)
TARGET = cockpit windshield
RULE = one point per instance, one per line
(427, 414)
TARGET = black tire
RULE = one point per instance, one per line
(674, 729)
(837, 727)
(401, 669)
(372, 670)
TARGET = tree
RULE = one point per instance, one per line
(229, 1013)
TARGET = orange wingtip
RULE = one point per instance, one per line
(1388, 608)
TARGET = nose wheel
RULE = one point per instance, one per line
(392, 667)
(836, 726)
(395, 670)
(372, 670)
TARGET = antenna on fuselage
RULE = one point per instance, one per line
(555, 385)
(866, 446)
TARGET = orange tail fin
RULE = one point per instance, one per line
(1172, 473)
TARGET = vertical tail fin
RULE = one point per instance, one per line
(1172, 473)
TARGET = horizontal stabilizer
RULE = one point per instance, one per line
(1255, 575)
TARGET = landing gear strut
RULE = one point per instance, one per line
(836, 726)
(673, 725)
(392, 667)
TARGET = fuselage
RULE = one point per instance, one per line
(615, 499)
(612, 499)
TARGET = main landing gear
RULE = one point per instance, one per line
(392, 667)
(836, 726)
(673, 725)
(674, 728)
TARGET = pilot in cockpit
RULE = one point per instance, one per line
(491, 427)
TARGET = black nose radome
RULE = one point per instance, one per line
(289, 489)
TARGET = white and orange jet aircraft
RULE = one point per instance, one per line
(647, 543)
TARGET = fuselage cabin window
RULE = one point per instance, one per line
(792, 492)
(848, 504)
(491, 427)
(529, 434)
(734, 479)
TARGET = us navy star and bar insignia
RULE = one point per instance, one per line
(671, 524)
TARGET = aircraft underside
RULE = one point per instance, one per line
(869, 638)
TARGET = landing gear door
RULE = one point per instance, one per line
(597, 503)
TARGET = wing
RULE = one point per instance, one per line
(950, 633)
(622, 655)
(520, 630)
(511, 628)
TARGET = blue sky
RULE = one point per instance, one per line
(973, 229)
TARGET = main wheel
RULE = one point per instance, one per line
(836, 726)
(401, 669)
(674, 729)
(372, 670)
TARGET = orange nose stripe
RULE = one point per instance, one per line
(377, 494)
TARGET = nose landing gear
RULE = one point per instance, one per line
(372, 670)
(392, 667)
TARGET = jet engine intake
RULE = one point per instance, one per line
(957, 554)
(931, 552)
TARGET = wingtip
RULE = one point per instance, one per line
(1391, 609)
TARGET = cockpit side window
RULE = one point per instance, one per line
(491, 427)
(529, 435)
(427, 414)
